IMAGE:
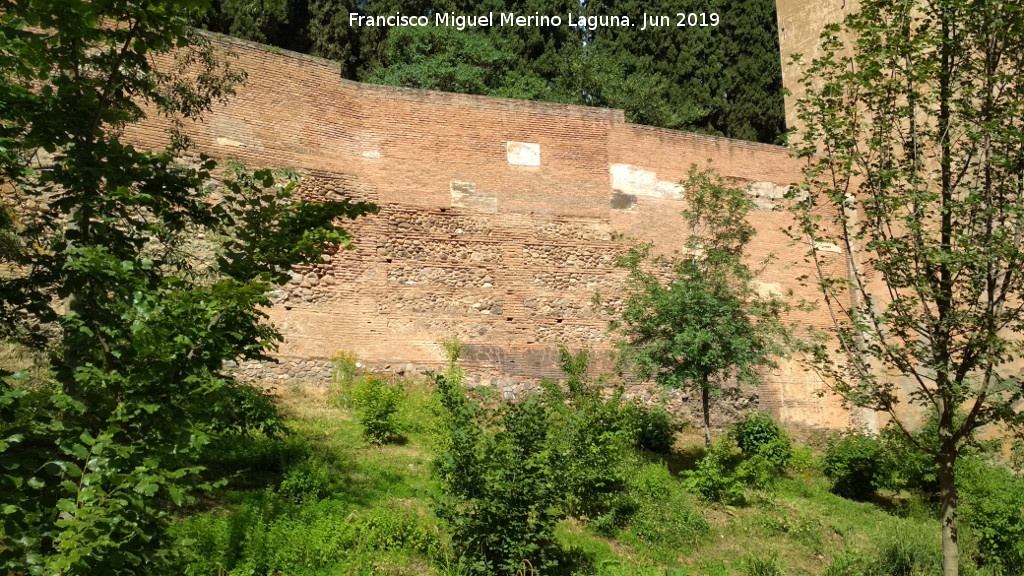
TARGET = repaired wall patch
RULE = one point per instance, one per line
(523, 154)
(465, 195)
(828, 247)
(630, 179)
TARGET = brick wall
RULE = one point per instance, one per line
(499, 219)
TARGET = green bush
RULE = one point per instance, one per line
(497, 480)
(714, 478)
(653, 429)
(992, 509)
(911, 468)
(590, 444)
(308, 480)
(242, 407)
(590, 437)
(379, 405)
(757, 471)
(759, 434)
(855, 464)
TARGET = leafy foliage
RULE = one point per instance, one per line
(653, 428)
(715, 479)
(705, 322)
(855, 463)
(992, 509)
(497, 488)
(136, 277)
(760, 435)
(912, 124)
(509, 473)
(379, 406)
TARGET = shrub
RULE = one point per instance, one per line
(589, 443)
(590, 437)
(714, 478)
(759, 434)
(653, 429)
(992, 508)
(344, 374)
(379, 406)
(308, 480)
(854, 464)
(497, 486)
(758, 472)
(912, 468)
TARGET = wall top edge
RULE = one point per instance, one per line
(614, 116)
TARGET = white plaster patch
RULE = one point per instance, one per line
(228, 142)
(523, 154)
(766, 195)
(371, 154)
(631, 179)
(465, 195)
(827, 247)
(768, 289)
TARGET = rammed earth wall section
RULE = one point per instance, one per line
(499, 221)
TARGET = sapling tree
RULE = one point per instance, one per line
(914, 140)
(696, 319)
(135, 275)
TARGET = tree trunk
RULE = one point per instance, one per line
(947, 496)
(707, 418)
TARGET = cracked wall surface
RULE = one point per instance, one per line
(500, 219)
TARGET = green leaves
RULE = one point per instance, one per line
(912, 133)
(134, 277)
(695, 319)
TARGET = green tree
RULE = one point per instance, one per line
(696, 319)
(137, 275)
(912, 134)
(754, 108)
(453, 61)
(260, 21)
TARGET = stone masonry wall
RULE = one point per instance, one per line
(499, 221)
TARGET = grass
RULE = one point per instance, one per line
(326, 501)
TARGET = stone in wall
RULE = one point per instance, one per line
(570, 230)
(766, 195)
(441, 277)
(554, 307)
(399, 248)
(399, 302)
(560, 255)
(572, 281)
(523, 154)
(405, 221)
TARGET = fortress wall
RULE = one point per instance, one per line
(499, 220)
